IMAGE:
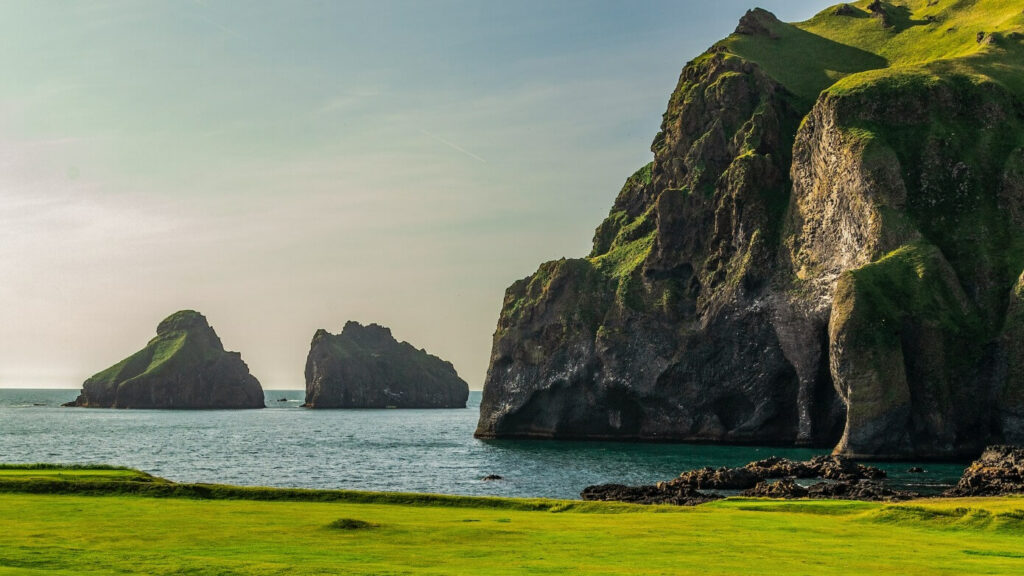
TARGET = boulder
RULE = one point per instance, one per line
(998, 472)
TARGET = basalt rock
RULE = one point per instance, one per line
(998, 472)
(184, 367)
(771, 478)
(841, 490)
(805, 261)
(365, 367)
(658, 494)
(829, 467)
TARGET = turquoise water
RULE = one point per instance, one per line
(394, 450)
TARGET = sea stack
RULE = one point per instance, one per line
(184, 367)
(812, 257)
(365, 367)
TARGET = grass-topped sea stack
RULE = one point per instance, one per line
(185, 366)
(825, 250)
(365, 367)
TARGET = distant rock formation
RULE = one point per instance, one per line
(184, 367)
(365, 367)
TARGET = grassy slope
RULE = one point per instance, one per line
(810, 56)
(74, 534)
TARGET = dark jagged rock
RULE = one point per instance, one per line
(844, 10)
(847, 480)
(658, 494)
(365, 367)
(492, 477)
(802, 263)
(594, 348)
(998, 472)
(184, 367)
(757, 22)
(841, 490)
(830, 467)
(878, 12)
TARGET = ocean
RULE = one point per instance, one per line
(382, 450)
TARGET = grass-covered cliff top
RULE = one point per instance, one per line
(184, 335)
(976, 37)
(63, 520)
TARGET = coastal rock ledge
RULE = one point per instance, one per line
(184, 367)
(365, 367)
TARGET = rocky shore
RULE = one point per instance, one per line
(998, 472)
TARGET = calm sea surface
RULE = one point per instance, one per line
(394, 450)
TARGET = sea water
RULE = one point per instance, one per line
(390, 450)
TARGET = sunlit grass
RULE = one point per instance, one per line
(410, 534)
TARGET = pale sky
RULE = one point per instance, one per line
(288, 166)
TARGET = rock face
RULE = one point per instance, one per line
(365, 367)
(998, 472)
(804, 261)
(184, 367)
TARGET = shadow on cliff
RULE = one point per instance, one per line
(803, 61)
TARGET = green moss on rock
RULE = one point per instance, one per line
(184, 366)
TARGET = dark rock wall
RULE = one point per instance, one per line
(365, 367)
(838, 274)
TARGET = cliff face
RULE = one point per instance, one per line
(805, 261)
(365, 367)
(184, 367)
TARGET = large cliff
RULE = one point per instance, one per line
(825, 250)
(365, 367)
(184, 367)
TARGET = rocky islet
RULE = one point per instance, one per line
(184, 367)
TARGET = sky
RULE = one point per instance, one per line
(288, 166)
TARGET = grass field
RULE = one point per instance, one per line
(63, 532)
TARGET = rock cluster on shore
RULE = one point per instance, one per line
(998, 472)
(845, 479)
(837, 468)
(679, 495)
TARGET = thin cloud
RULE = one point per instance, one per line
(453, 146)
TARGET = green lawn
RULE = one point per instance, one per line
(67, 533)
